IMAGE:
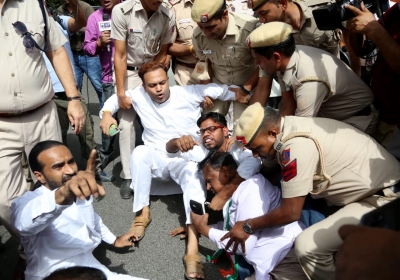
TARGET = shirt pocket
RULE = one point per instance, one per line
(135, 40)
(185, 29)
(153, 43)
(238, 56)
(37, 33)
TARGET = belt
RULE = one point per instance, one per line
(394, 189)
(364, 112)
(79, 52)
(132, 68)
(188, 65)
(10, 115)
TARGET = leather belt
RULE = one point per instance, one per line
(364, 112)
(10, 115)
(188, 65)
(394, 189)
(132, 68)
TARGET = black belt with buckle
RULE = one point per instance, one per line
(395, 189)
(132, 68)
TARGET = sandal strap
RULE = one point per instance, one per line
(140, 221)
(193, 264)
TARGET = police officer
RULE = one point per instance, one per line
(27, 112)
(326, 158)
(182, 49)
(220, 38)
(142, 31)
(313, 82)
(305, 32)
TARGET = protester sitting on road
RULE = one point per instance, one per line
(266, 249)
(56, 221)
(166, 113)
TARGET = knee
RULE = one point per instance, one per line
(303, 247)
(139, 155)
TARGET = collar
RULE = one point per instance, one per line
(231, 29)
(278, 142)
(306, 13)
(138, 6)
(188, 1)
(291, 68)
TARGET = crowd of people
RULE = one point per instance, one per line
(291, 142)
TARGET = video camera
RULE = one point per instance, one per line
(331, 16)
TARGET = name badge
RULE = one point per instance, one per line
(136, 30)
(206, 51)
(186, 20)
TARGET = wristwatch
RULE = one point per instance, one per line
(247, 228)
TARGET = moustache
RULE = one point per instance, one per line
(66, 178)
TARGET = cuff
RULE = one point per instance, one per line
(109, 238)
(215, 235)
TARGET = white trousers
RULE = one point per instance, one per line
(146, 164)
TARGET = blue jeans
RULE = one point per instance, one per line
(92, 68)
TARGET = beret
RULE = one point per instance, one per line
(269, 34)
(249, 124)
(204, 10)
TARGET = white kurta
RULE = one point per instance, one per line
(56, 236)
(265, 249)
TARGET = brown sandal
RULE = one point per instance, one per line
(192, 265)
(141, 222)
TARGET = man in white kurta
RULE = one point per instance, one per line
(57, 234)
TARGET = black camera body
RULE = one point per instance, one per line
(331, 16)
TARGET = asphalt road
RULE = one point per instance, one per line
(157, 256)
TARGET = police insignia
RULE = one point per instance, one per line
(285, 156)
(241, 139)
(289, 171)
(204, 18)
(250, 4)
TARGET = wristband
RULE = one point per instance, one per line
(244, 90)
(78, 97)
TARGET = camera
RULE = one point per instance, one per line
(331, 16)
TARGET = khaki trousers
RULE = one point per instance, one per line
(18, 135)
(127, 135)
(183, 76)
(288, 269)
(316, 245)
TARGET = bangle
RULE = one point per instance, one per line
(106, 111)
(191, 49)
(244, 90)
(78, 97)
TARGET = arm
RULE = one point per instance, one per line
(364, 22)
(179, 50)
(262, 92)
(62, 66)
(162, 55)
(355, 62)
(120, 73)
(92, 44)
(79, 18)
(106, 235)
(183, 144)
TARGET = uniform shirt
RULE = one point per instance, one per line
(144, 37)
(232, 62)
(57, 86)
(58, 236)
(184, 26)
(25, 82)
(265, 249)
(310, 35)
(355, 165)
(78, 38)
(324, 86)
(92, 34)
(175, 117)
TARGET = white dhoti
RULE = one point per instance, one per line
(147, 163)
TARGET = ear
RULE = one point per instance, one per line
(284, 4)
(224, 171)
(277, 56)
(273, 132)
(225, 15)
(40, 177)
(226, 131)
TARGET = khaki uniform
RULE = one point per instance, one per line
(27, 113)
(184, 31)
(334, 161)
(324, 86)
(232, 62)
(144, 38)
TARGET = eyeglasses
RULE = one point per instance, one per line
(210, 129)
(28, 40)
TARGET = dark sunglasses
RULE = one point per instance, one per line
(210, 129)
(28, 40)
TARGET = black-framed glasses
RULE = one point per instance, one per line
(28, 41)
(210, 129)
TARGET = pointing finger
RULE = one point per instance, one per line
(91, 163)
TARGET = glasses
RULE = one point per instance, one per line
(210, 129)
(28, 40)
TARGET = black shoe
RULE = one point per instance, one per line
(125, 189)
(104, 177)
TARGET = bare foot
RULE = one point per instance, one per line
(179, 230)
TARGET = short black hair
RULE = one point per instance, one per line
(216, 117)
(271, 120)
(286, 48)
(77, 273)
(217, 159)
(34, 163)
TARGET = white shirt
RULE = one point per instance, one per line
(57, 236)
(175, 117)
(265, 249)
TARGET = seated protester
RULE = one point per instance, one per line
(56, 221)
(77, 273)
(166, 113)
(253, 197)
